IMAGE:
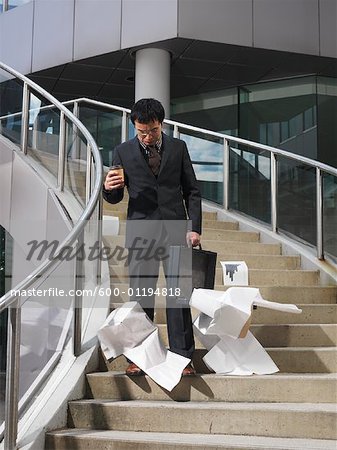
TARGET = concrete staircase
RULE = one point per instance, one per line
(294, 409)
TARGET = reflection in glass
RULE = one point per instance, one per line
(206, 152)
(297, 199)
(281, 114)
(10, 108)
(106, 128)
(330, 214)
(43, 133)
(249, 190)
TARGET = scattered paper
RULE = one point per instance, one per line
(223, 328)
(128, 330)
(235, 273)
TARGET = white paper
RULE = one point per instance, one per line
(128, 330)
(235, 273)
(162, 365)
(240, 357)
(110, 226)
(124, 328)
(222, 326)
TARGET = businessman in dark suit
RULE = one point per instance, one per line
(162, 188)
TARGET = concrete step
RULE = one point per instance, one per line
(299, 295)
(288, 360)
(275, 277)
(220, 225)
(309, 420)
(240, 248)
(84, 439)
(313, 335)
(207, 224)
(230, 235)
(311, 314)
(295, 294)
(284, 335)
(263, 261)
(229, 247)
(257, 277)
(290, 388)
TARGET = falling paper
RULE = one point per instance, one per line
(128, 331)
(222, 327)
(240, 357)
(235, 273)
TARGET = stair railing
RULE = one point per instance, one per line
(11, 301)
(227, 147)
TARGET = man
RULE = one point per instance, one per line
(162, 186)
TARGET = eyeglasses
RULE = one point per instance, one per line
(144, 133)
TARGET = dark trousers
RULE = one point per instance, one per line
(143, 275)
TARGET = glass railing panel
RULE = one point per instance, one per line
(105, 126)
(249, 182)
(43, 133)
(297, 199)
(330, 214)
(206, 152)
(48, 309)
(75, 170)
(10, 107)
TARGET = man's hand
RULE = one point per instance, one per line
(113, 180)
(193, 238)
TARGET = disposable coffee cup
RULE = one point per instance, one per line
(118, 169)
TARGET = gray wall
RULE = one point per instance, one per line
(44, 34)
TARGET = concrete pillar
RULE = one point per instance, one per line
(152, 77)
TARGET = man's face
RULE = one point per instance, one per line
(148, 133)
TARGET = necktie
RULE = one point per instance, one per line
(154, 159)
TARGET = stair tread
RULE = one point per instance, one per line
(212, 376)
(199, 440)
(286, 407)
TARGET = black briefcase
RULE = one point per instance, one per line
(203, 268)
(188, 269)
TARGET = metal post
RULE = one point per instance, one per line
(88, 178)
(12, 377)
(273, 191)
(5, 3)
(226, 174)
(319, 214)
(62, 153)
(176, 132)
(79, 274)
(99, 236)
(125, 127)
(76, 140)
(25, 118)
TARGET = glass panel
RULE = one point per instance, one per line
(297, 199)
(106, 128)
(206, 152)
(249, 190)
(51, 313)
(330, 214)
(327, 116)
(6, 243)
(10, 107)
(43, 134)
(216, 111)
(76, 163)
(281, 114)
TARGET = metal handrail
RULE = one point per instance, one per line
(274, 153)
(11, 300)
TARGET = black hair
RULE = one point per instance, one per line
(147, 110)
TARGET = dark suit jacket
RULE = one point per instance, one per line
(169, 196)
